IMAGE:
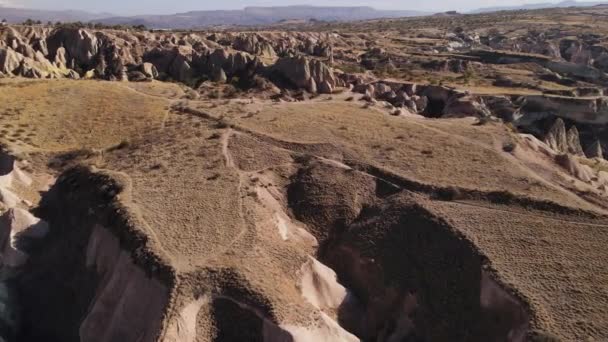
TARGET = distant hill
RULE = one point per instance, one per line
(18, 15)
(257, 16)
(541, 5)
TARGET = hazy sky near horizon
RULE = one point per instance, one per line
(131, 7)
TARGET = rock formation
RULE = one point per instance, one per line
(574, 142)
(556, 136)
(460, 105)
(255, 45)
(306, 74)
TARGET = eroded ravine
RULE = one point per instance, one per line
(95, 259)
(411, 274)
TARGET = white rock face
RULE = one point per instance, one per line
(16, 224)
(8, 198)
(328, 330)
(319, 285)
(128, 304)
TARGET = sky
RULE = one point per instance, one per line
(131, 7)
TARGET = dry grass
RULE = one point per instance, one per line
(208, 188)
(65, 115)
(462, 155)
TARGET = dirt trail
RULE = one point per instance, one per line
(245, 226)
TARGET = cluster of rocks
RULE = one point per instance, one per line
(460, 39)
(189, 58)
(254, 44)
(568, 141)
(27, 56)
(305, 44)
(527, 112)
(376, 58)
(427, 100)
(312, 75)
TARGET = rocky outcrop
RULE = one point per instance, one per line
(460, 105)
(307, 74)
(556, 137)
(79, 44)
(255, 45)
(126, 317)
(64, 52)
(10, 60)
(564, 141)
(574, 142)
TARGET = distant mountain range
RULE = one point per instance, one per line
(541, 5)
(258, 16)
(18, 15)
(248, 16)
